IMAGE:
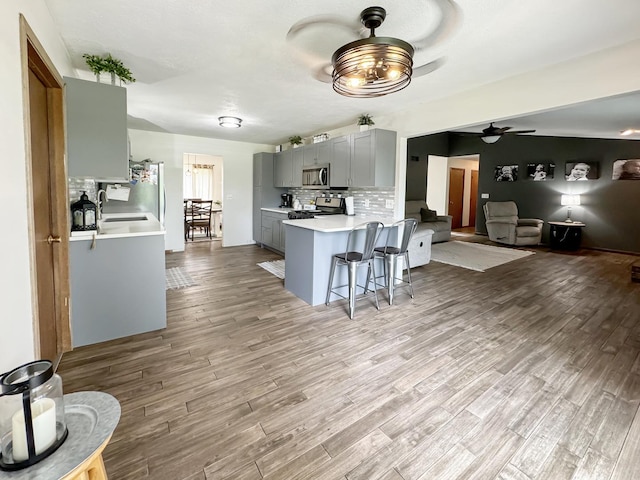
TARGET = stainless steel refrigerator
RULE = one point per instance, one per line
(146, 191)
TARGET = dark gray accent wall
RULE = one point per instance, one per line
(610, 208)
(418, 151)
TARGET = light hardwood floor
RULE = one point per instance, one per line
(528, 371)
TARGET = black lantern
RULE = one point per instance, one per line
(32, 423)
(83, 214)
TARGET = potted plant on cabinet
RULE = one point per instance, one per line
(108, 64)
(295, 141)
(365, 121)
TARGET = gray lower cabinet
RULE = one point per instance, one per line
(273, 235)
(364, 159)
(264, 193)
(117, 288)
(96, 116)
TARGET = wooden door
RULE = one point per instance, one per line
(48, 204)
(456, 196)
(473, 200)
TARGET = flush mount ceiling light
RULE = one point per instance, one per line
(230, 122)
(374, 66)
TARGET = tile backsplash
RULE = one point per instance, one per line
(377, 198)
(78, 185)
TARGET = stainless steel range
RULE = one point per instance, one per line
(324, 206)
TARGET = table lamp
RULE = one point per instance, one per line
(569, 201)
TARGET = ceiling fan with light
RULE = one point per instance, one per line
(492, 134)
(371, 66)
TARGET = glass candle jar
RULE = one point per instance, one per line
(32, 424)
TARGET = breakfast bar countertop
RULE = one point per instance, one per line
(114, 225)
(337, 223)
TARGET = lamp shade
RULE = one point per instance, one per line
(230, 122)
(570, 200)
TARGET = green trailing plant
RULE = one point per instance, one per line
(365, 119)
(295, 140)
(98, 64)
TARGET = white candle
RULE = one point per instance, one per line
(43, 414)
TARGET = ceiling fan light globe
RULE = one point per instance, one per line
(490, 138)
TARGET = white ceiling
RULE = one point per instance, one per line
(195, 60)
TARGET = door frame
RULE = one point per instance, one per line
(34, 57)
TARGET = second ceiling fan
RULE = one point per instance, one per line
(492, 134)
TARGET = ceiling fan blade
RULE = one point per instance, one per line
(428, 67)
(354, 27)
(520, 131)
(449, 23)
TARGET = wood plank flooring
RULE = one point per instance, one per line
(527, 371)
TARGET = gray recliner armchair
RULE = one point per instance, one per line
(504, 226)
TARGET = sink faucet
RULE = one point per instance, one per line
(99, 209)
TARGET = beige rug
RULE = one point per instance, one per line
(276, 267)
(475, 256)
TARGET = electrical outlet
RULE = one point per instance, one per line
(485, 195)
(366, 203)
(388, 203)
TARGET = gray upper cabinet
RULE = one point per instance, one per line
(97, 145)
(318, 153)
(364, 159)
(340, 168)
(288, 168)
(283, 175)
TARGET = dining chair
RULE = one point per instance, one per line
(199, 217)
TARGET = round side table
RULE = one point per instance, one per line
(565, 235)
(91, 418)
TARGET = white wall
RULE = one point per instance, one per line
(237, 180)
(438, 184)
(16, 314)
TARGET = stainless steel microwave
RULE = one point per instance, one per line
(315, 176)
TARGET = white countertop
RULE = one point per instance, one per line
(125, 228)
(277, 210)
(337, 223)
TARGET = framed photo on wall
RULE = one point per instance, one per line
(506, 173)
(626, 169)
(581, 171)
(540, 172)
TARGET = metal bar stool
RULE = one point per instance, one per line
(353, 259)
(398, 238)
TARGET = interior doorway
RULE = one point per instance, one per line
(456, 196)
(202, 196)
(47, 197)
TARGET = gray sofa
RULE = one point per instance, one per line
(441, 226)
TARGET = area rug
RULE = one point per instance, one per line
(276, 267)
(475, 256)
(176, 277)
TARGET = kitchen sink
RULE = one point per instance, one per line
(125, 219)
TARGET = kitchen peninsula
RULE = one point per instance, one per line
(310, 245)
(118, 279)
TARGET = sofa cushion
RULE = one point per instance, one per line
(427, 215)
